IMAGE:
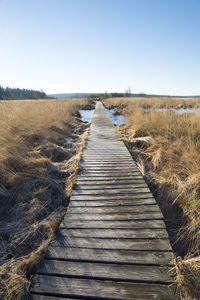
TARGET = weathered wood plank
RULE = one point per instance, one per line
(134, 190)
(115, 209)
(110, 243)
(123, 202)
(109, 186)
(97, 154)
(114, 157)
(104, 177)
(114, 216)
(108, 164)
(116, 233)
(109, 173)
(113, 224)
(66, 287)
(110, 168)
(134, 197)
(111, 256)
(105, 271)
(110, 148)
(110, 181)
(105, 160)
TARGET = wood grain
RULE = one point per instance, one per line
(111, 256)
(113, 224)
(98, 289)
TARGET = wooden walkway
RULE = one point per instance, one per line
(112, 243)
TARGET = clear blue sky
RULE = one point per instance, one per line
(152, 46)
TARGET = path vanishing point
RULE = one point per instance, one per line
(112, 243)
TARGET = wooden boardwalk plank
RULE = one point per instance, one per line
(115, 216)
(105, 177)
(98, 289)
(113, 224)
(105, 162)
(109, 202)
(111, 168)
(115, 209)
(112, 191)
(116, 233)
(105, 271)
(134, 197)
(109, 173)
(95, 187)
(114, 160)
(112, 200)
(112, 243)
(109, 181)
(114, 179)
(111, 256)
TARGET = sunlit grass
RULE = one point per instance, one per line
(154, 102)
(166, 147)
(40, 147)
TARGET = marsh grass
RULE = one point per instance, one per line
(40, 147)
(153, 102)
(166, 147)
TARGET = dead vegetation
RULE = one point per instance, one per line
(153, 102)
(40, 149)
(166, 147)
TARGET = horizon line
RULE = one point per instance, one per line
(131, 94)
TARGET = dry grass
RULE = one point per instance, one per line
(153, 102)
(166, 147)
(40, 148)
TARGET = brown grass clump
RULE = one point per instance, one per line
(40, 149)
(188, 276)
(166, 147)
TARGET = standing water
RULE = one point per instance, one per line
(86, 114)
(179, 111)
(116, 119)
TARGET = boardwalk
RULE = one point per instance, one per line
(112, 243)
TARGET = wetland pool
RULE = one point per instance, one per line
(178, 111)
(87, 115)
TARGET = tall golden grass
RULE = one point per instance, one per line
(166, 147)
(154, 102)
(40, 147)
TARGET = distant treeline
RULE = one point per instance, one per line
(15, 93)
(110, 95)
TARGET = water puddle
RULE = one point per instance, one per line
(116, 119)
(86, 114)
(179, 111)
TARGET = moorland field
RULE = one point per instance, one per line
(40, 147)
(41, 142)
(166, 147)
